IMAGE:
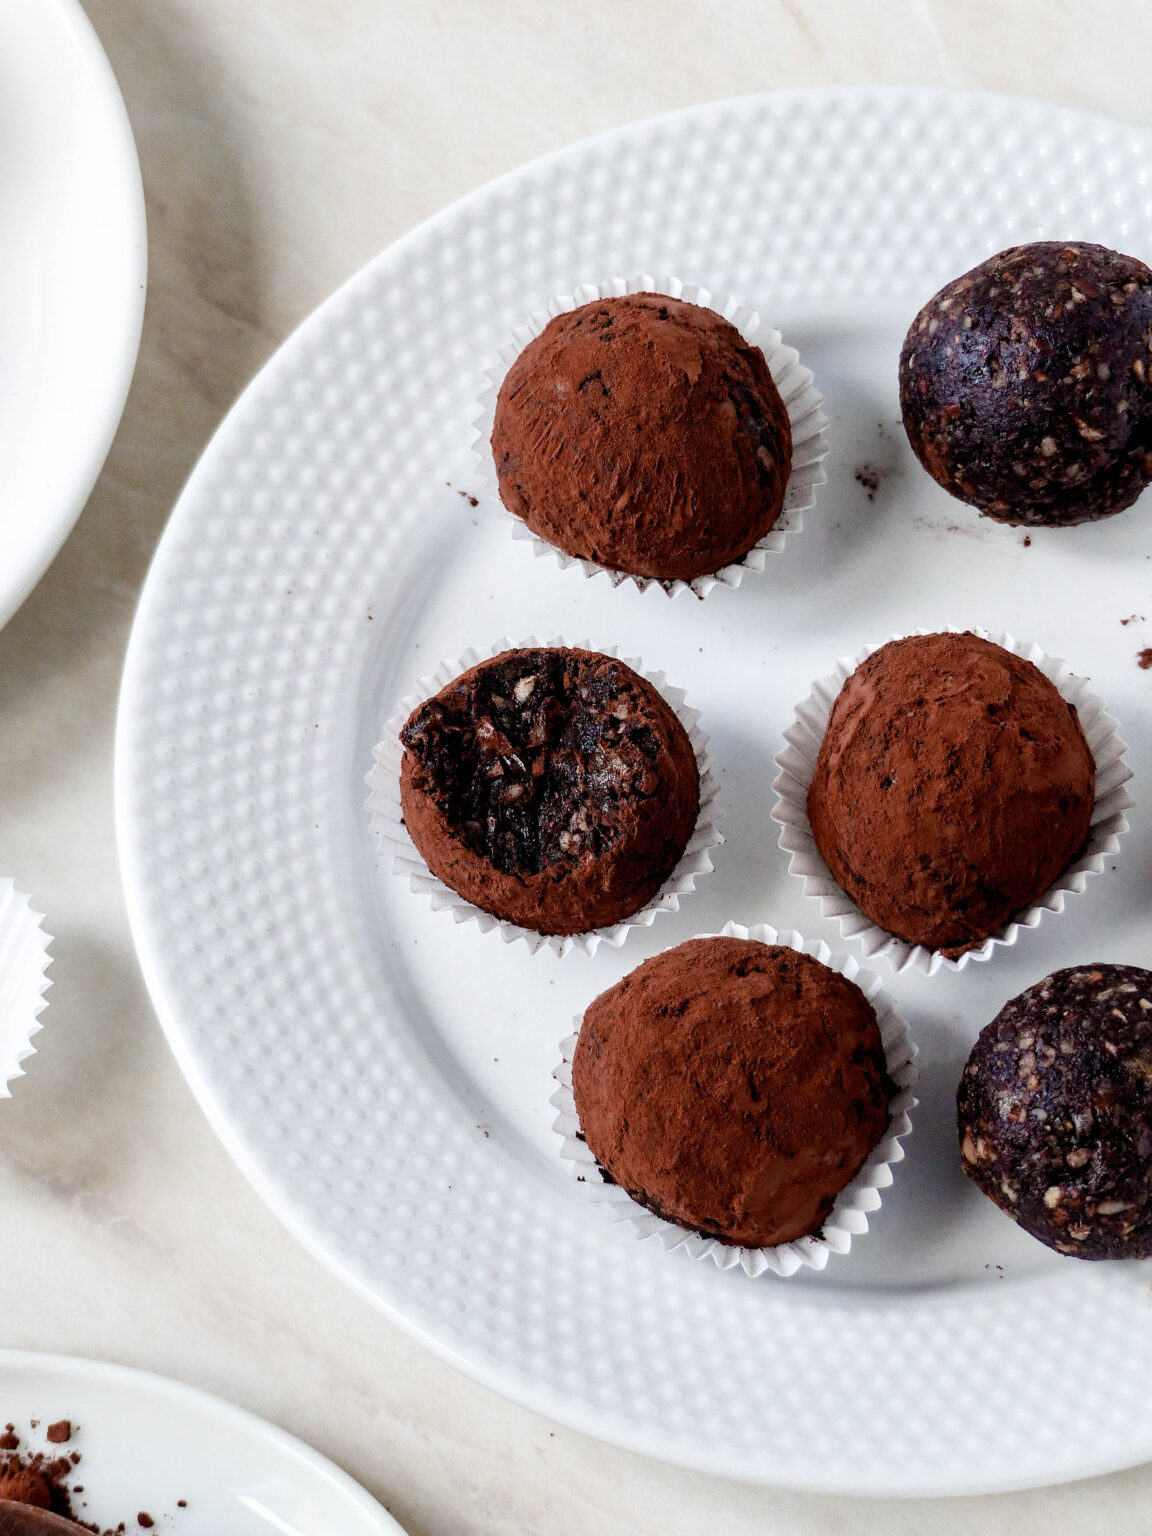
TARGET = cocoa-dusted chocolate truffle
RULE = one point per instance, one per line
(552, 787)
(645, 434)
(952, 787)
(1055, 1111)
(732, 1087)
(1025, 384)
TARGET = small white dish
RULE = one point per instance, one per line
(73, 264)
(146, 1443)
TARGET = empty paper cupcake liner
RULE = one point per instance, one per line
(797, 763)
(23, 962)
(794, 381)
(392, 835)
(848, 1217)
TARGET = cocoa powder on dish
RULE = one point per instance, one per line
(36, 1498)
(34, 1480)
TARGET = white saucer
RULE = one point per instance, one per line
(73, 261)
(147, 1443)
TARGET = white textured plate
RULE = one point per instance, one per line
(72, 270)
(146, 1443)
(382, 1076)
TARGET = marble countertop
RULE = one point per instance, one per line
(283, 142)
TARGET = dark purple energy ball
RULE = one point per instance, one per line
(1055, 1111)
(1025, 387)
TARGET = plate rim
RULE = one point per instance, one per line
(548, 1402)
(151, 1384)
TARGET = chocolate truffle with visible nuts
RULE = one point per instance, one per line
(1025, 386)
(1055, 1111)
(552, 787)
(952, 787)
(646, 434)
(732, 1087)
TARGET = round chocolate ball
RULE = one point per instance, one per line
(953, 785)
(1055, 1111)
(645, 434)
(550, 786)
(1024, 384)
(732, 1087)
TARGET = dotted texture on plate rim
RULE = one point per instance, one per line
(234, 747)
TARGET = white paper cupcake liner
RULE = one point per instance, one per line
(848, 1217)
(388, 820)
(794, 381)
(23, 962)
(797, 762)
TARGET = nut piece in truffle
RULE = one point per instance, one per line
(645, 434)
(552, 787)
(952, 787)
(732, 1087)
(1025, 384)
(1055, 1111)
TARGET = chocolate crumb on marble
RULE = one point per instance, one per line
(1144, 658)
(1025, 383)
(1054, 1111)
(551, 786)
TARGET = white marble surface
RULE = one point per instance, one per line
(283, 142)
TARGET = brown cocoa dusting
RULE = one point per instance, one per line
(24, 1485)
(1027, 541)
(1133, 618)
(771, 1088)
(60, 1432)
(591, 447)
(1144, 658)
(938, 731)
(9, 1441)
(868, 476)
